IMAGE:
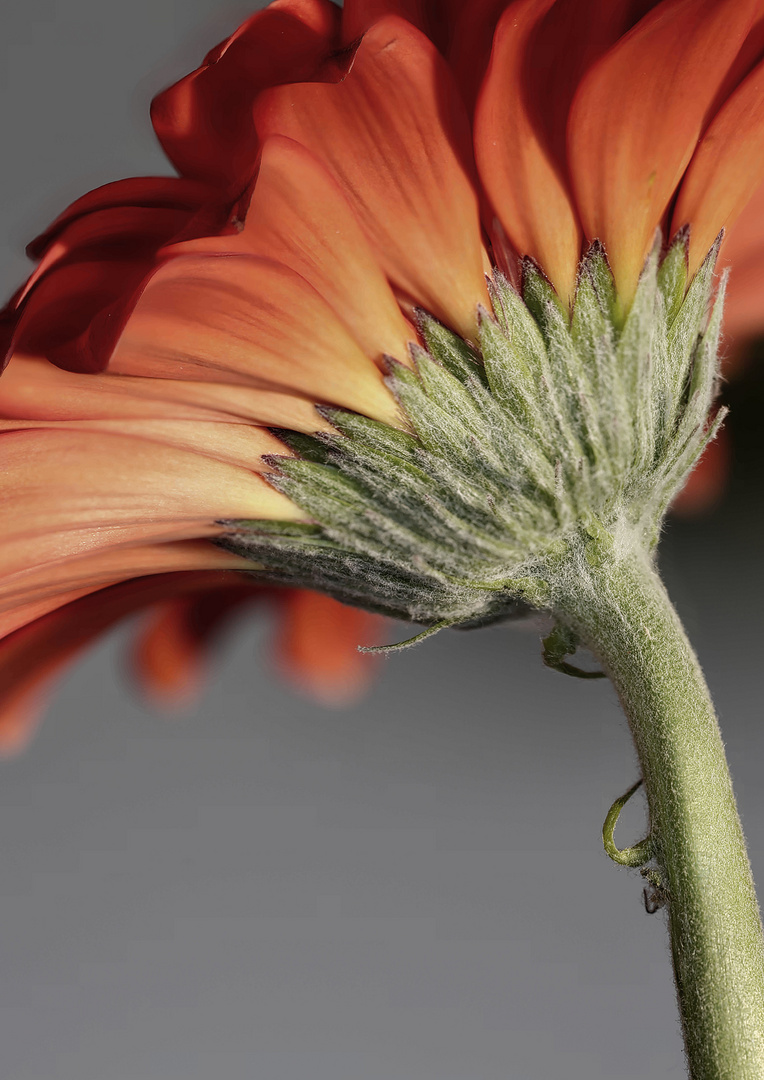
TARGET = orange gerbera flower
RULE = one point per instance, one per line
(339, 170)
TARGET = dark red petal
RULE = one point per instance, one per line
(95, 257)
(563, 47)
(470, 46)
(149, 192)
(436, 18)
(204, 122)
(76, 314)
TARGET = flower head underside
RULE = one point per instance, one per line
(386, 221)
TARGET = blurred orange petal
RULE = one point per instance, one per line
(33, 657)
(708, 480)
(317, 646)
(170, 656)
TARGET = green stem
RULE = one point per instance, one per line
(618, 606)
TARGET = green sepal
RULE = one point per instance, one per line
(371, 433)
(451, 351)
(672, 275)
(596, 269)
(304, 446)
(538, 292)
(690, 322)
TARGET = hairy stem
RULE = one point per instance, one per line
(618, 606)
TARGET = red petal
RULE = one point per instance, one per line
(559, 53)
(637, 116)
(726, 170)
(204, 122)
(395, 136)
(359, 15)
(744, 303)
(751, 53)
(744, 241)
(525, 185)
(743, 251)
(318, 646)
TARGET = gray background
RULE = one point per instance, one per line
(413, 889)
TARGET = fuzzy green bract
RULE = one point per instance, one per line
(555, 435)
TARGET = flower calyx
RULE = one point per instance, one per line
(559, 436)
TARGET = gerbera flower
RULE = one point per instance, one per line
(341, 172)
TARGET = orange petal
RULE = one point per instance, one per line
(66, 479)
(33, 656)
(42, 588)
(525, 185)
(34, 389)
(318, 646)
(637, 116)
(73, 495)
(726, 170)
(299, 216)
(394, 134)
(240, 318)
(242, 445)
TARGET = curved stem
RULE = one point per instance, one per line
(619, 608)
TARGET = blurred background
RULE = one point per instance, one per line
(410, 889)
